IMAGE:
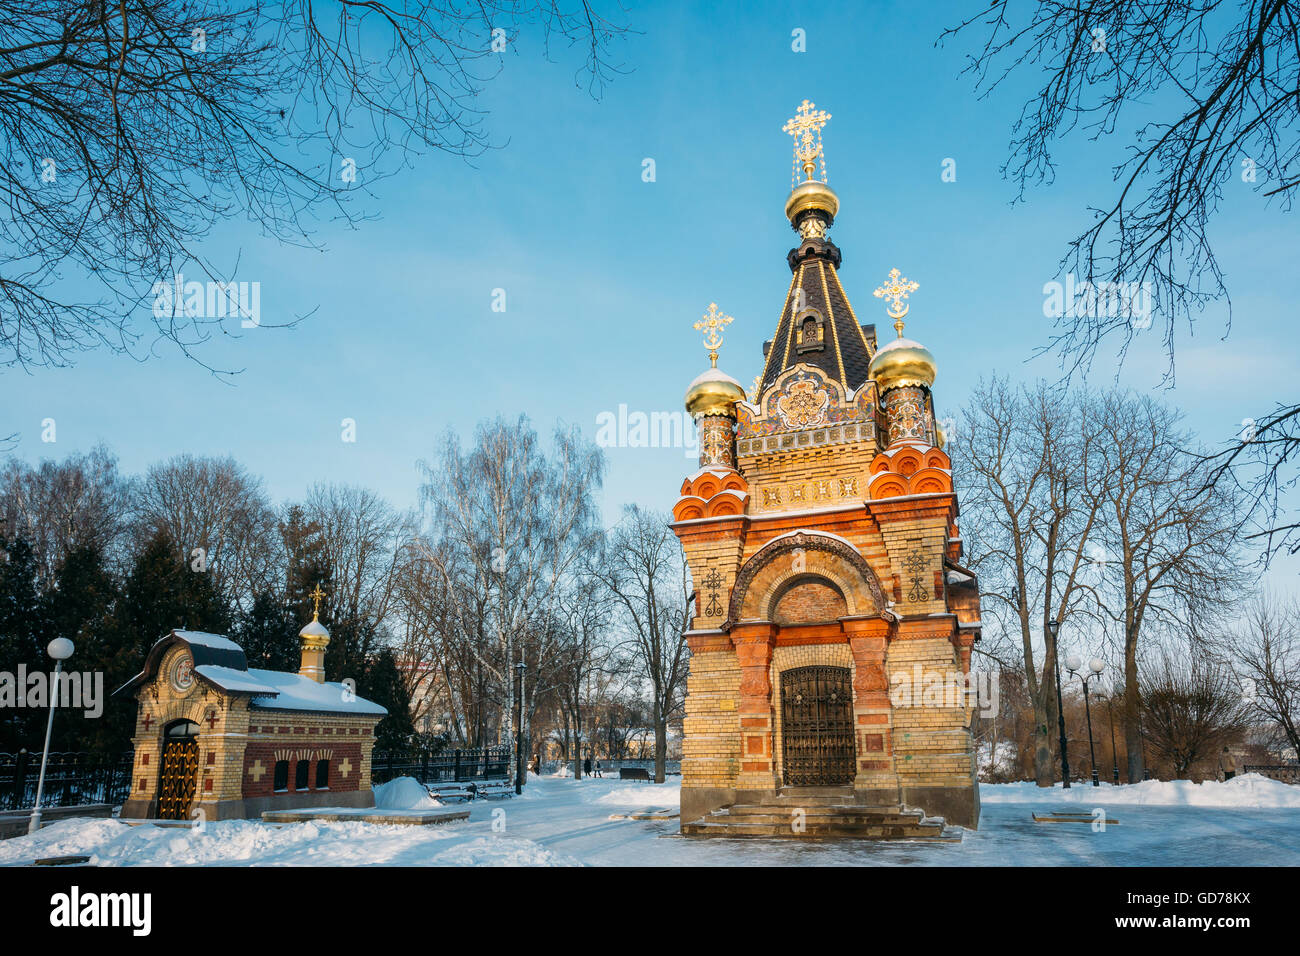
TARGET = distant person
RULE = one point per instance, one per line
(598, 768)
(586, 767)
(1227, 764)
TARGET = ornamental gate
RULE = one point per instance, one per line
(177, 780)
(817, 727)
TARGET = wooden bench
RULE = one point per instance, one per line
(471, 790)
(633, 773)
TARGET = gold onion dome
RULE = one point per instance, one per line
(714, 392)
(811, 195)
(902, 362)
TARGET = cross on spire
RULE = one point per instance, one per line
(316, 595)
(712, 323)
(896, 290)
(806, 128)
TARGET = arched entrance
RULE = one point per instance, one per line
(178, 777)
(817, 727)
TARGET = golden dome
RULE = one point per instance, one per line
(811, 195)
(713, 393)
(902, 362)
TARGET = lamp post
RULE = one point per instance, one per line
(1055, 626)
(60, 649)
(1075, 663)
(1114, 753)
(519, 727)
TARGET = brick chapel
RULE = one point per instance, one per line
(821, 534)
(216, 739)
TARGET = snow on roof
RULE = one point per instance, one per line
(295, 692)
(228, 678)
(282, 690)
(204, 639)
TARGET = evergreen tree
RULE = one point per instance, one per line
(23, 636)
(383, 684)
(268, 632)
(80, 607)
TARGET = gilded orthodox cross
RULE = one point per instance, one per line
(896, 289)
(806, 128)
(712, 323)
(712, 582)
(316, 595)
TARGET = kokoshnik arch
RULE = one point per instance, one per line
(821, 534)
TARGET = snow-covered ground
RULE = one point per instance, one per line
(559, 822)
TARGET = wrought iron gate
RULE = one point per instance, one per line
(177, 781)
(817, 746)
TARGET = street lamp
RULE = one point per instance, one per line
(1055, 626)
(60, 649)
(519, 727)
(1115, 691)
(1075, 663)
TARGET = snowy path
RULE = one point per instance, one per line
(559, 822)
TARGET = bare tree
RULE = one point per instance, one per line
(1191, 708)
(60, 506)
(1204, 91)
(1171, 550)
(220, 518)
(1263, 650)
(587, 609)
(510, 525)
(131, 128)
(645, 572)
(1032, 503)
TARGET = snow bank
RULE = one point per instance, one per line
(1250, 790)
(404, 793)
(643, 795)
(501, 851)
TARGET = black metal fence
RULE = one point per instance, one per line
(71, 779)
(447, 766)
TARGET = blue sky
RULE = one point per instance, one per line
(604, 274)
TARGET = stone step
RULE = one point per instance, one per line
(821, 822)
(933, 833)
(853, 813)
(811, 800)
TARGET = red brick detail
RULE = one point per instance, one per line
(755, 745)
(874, 764)
(756, 766)
(207, 785)
(810, 602)
(336, 752)
(873, 718)
(873, 741)
(753, 721)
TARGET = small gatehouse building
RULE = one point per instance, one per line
(216, 739)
